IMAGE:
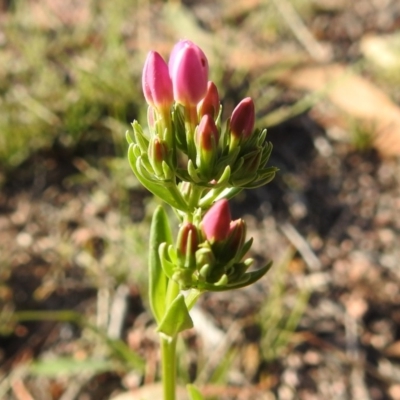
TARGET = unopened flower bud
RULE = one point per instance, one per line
(242, 119)
(210, 104)
(206, 142)
(157, 154)
(207, 134)
(188, 240)
(236, 236)
(216, 221)
(156, 82)
(188, 69)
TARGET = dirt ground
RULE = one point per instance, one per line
(323, 324)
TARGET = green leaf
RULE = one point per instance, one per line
(193, 172)
(177, 318)
(140, 139)
(128, 137)
(159, 233)
(194, 393)
(245, 248)
(246, 280)
(167, 266)
(166, 191)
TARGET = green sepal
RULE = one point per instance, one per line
(179, 128)
(140, 138)
(176, 319)
(247, 279)
(159, 233)
(194, 393)
(193, 172)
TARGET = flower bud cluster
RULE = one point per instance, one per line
(185, 140)
(189, 159)
(208, 254)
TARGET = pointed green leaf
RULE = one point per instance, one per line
(246, 280)
(176, 319)
(159, 233)
(167, 266)
(194, 393)
(228, 193)
(245, 248)
(128, 137)
(192, 172)
(261, 137)
(259, 182)
(166, 191)
(224, 178)
(140, 139)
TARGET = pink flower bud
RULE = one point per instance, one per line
(242, 119)
(216, 221)
(236, 236)
(188, 239)
(188, 69)
(207, 134)
(210, 104)
(156, 82)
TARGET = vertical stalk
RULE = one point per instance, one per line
(168, 350)
(168, 359)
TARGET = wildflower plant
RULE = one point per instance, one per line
(195, 163)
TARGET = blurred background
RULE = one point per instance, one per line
(324, 323)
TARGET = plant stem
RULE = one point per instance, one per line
(168, 359)
(168, 350)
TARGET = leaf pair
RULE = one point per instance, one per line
(171, 315)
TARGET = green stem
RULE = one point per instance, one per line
(195, 197)
(168, 357)
(168, 350)
(192, 298)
